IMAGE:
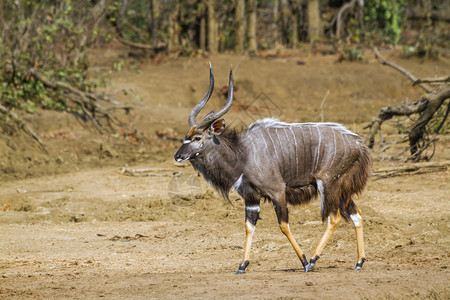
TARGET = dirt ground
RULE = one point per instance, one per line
(74, 225)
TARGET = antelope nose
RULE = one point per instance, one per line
(177, 156)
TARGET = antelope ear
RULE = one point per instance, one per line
(217, 127)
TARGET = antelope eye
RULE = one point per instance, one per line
(197, 138)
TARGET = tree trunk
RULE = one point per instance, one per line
(239, 26)
(251, 7)
(275, 22)
(284, 22)
(154, 8)
(213, 42)
(295, 9)
(202, 38)
(174, 29)
(314, 26)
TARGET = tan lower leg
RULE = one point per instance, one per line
(357, 221)
(360, 242)
(249, 230)
(287, 232)
(333, 222)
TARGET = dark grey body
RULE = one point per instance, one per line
(271, 158)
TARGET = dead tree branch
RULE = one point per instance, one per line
(88, 102)
(389, 112)
(409, 168)
(426, 107)
(432, 80)
(435, 100)
(410, 76)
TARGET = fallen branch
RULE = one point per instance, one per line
(150, 172)
(409, 168)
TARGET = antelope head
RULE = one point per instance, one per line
(204, 135)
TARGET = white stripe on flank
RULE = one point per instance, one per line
(289, 152)
(344, 144)
(282, 148)
(334, 153)
(310, 141)
(303, 147)
(349, 143)
(281, 144)
(267, 146)
(296, 153)
(273, 144)
(318, 149)
(254, 154)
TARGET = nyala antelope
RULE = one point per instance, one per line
(283, 163)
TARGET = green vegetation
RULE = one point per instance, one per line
(385, 20)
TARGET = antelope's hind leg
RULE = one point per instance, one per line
(283, 221)
(357, 222)
(333, 223)
(252, 210)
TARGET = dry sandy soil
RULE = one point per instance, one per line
(72, 225)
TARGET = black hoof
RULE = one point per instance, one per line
(242, 267)
(311, 264)
(309, 267)
(359, 264)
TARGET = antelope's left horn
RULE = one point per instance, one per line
(195, 111)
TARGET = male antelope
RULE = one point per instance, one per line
(283, 163)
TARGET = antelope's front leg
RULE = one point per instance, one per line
(251, 217)
(283, 221)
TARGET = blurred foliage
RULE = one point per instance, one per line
(49, 37)
(352, 52)
(384, 20)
